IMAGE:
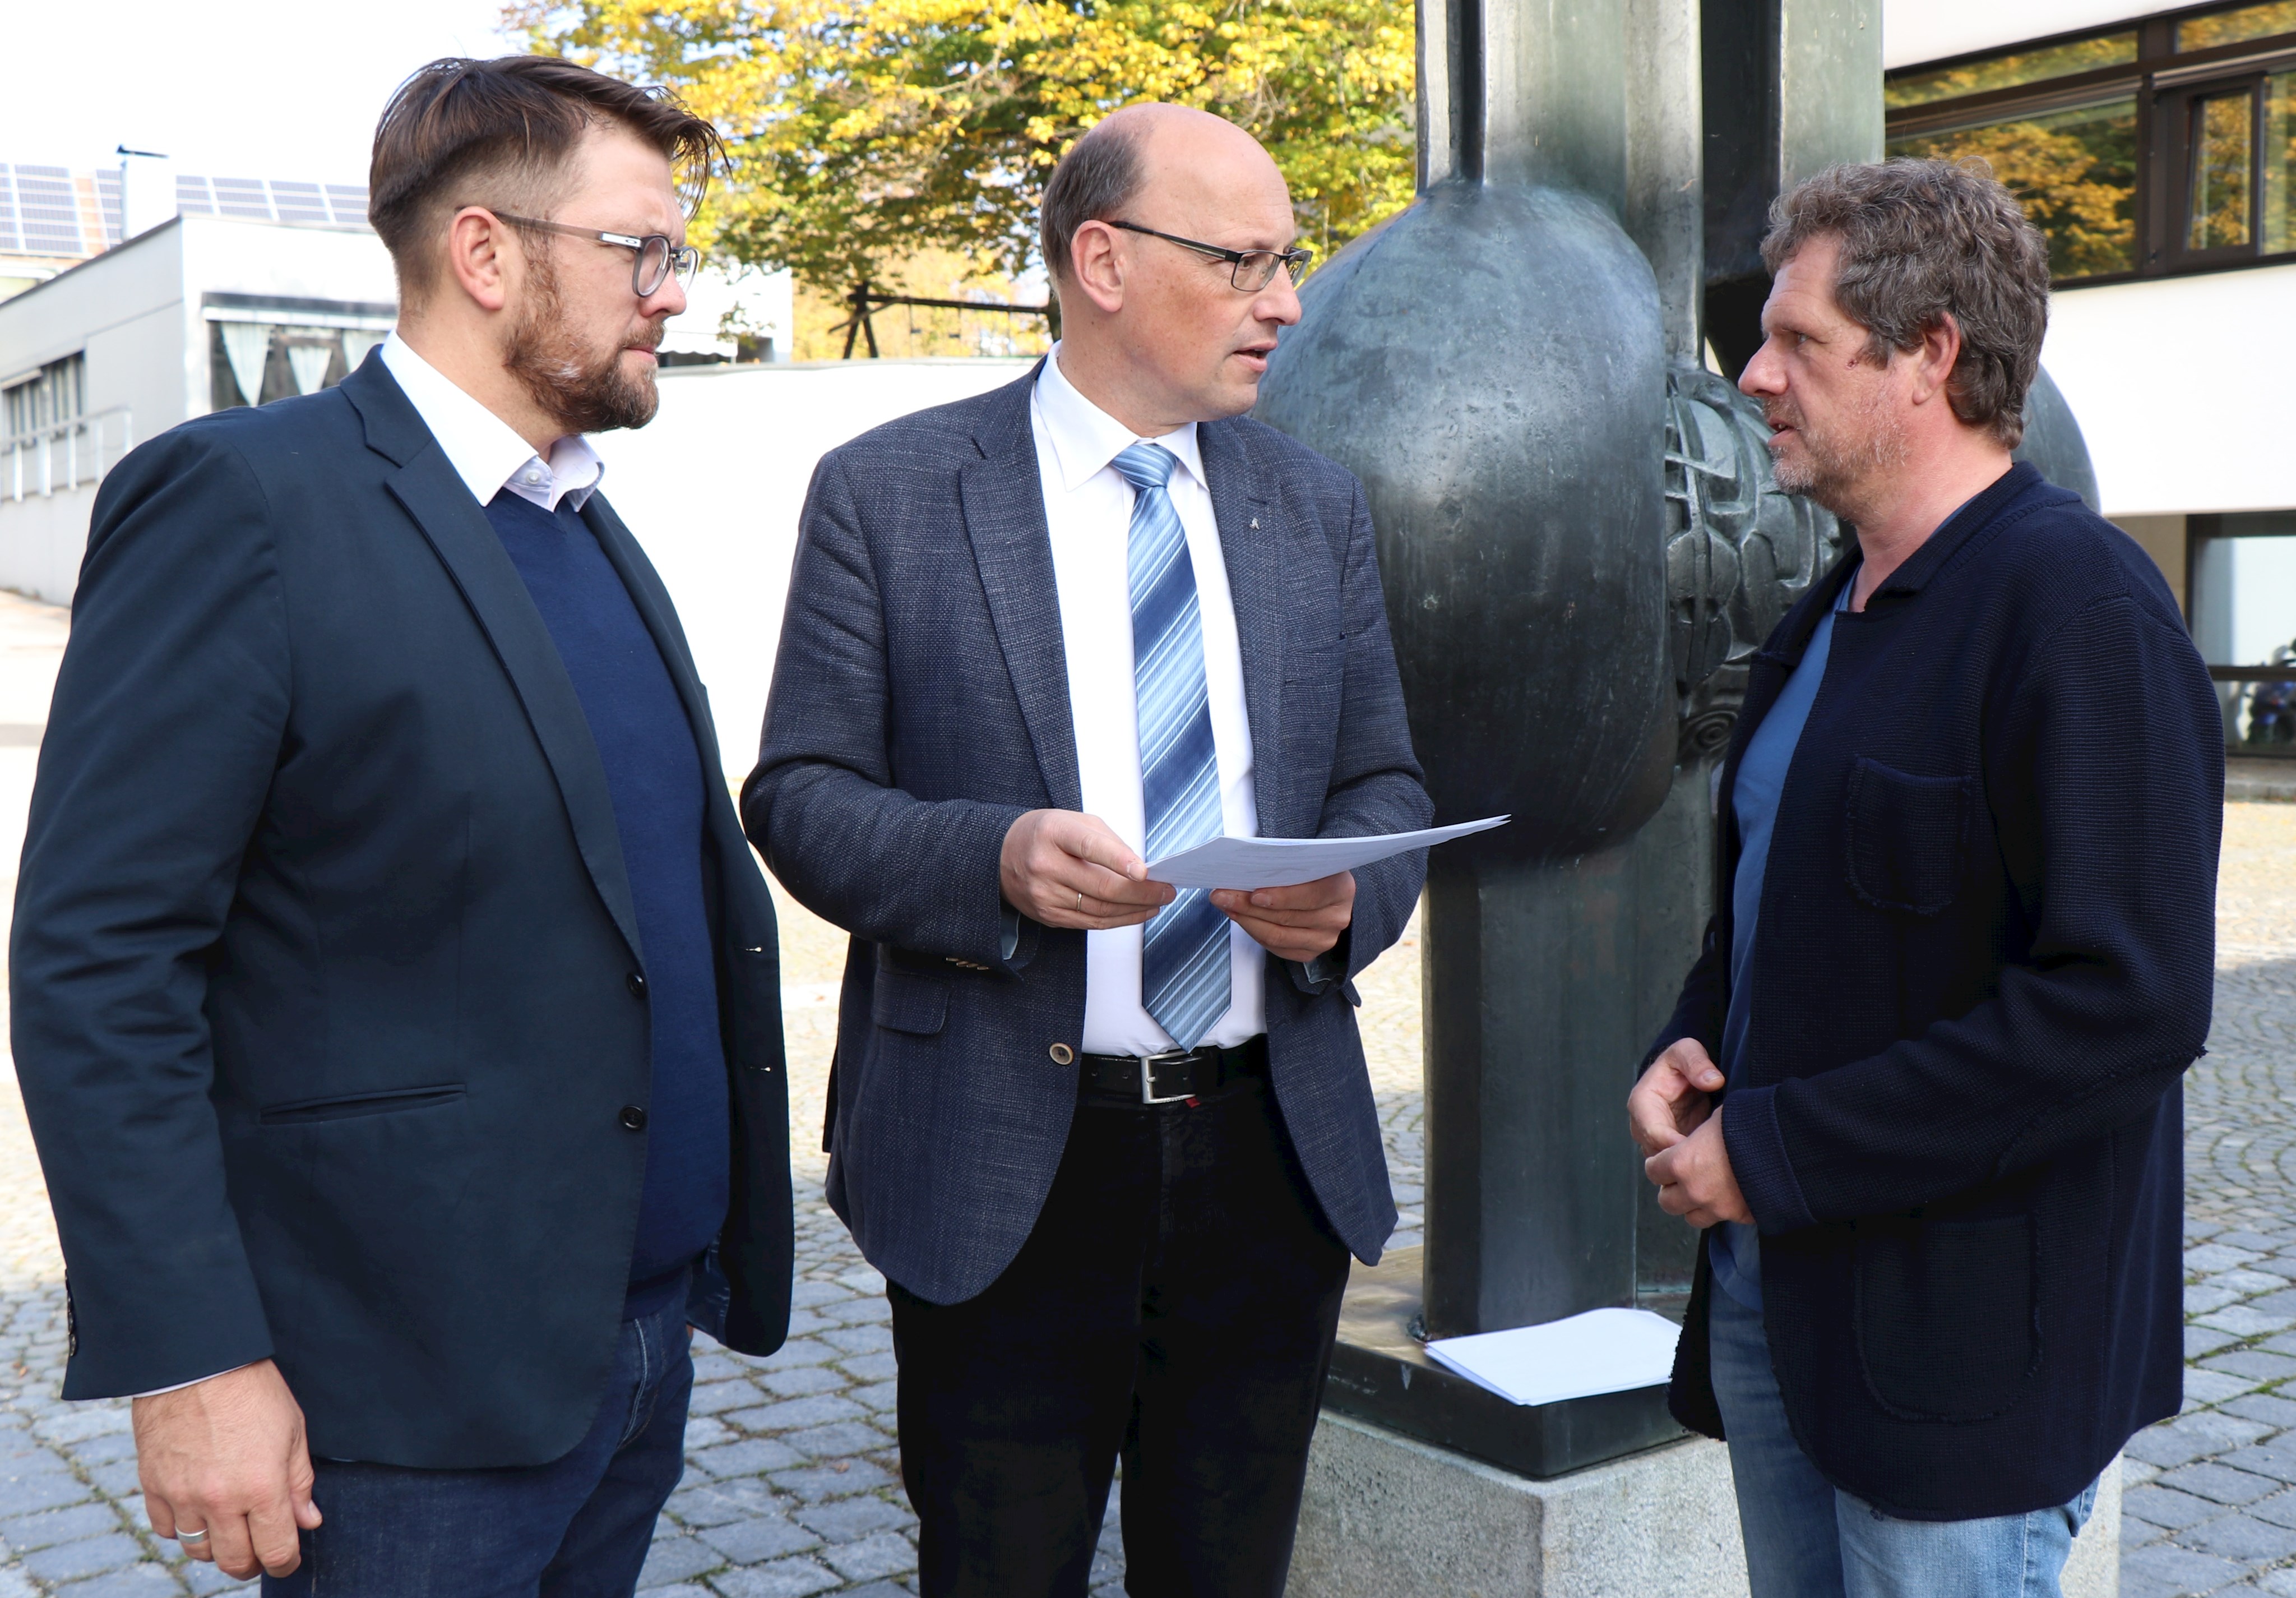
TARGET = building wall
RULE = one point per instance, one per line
(2183, 387)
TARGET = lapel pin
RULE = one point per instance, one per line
(1255, 524)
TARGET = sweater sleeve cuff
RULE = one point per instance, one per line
(1758, 1158)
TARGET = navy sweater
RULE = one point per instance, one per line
(1985, 959)
(653, 771)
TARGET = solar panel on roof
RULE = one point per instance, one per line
(242, 197)
(299, 202)
(191, 196)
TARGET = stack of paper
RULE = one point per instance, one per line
(1602, 1351)
(1285, 862)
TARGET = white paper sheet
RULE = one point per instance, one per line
(1602, 1351)
(1281, 862)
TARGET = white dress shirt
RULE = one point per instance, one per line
(484, 450)
(1088, 512)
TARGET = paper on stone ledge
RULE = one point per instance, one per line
(1602, 1351)
(1281, 862)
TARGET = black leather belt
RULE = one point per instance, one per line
(1168, 1078)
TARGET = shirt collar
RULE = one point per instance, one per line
(485, 452)
(1086, 438)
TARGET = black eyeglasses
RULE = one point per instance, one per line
(657, 257)
(1252, 270)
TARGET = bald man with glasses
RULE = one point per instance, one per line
(1111, 1145)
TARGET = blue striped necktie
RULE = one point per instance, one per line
(1184, 958)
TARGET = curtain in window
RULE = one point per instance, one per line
(247, 345)
(310, 362)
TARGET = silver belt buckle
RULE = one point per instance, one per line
(1148, 1062)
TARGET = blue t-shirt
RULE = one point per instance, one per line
(1733, 1247)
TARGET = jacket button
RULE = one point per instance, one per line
(635, 981)
(633, 1117)
(1062, 1055)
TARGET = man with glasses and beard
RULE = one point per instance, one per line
(395, 997)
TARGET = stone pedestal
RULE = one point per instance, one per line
(1385, 1515)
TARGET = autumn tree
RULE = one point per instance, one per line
(866, 131)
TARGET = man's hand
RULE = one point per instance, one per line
(1674, 1098)
(1294, 923)
(226, 1456)
(1694, 1179)
(1060, 869)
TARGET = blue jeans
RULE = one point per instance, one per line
(577, 1528)
(1806, 1538)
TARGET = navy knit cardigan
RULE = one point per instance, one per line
(1985, 961)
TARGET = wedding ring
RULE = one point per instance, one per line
(190, 1536)
(1079, 901)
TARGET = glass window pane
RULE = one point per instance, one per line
(2008, 71)
(2231, 27)
(2279, 163)
(2243, 604)
(2074, 171)
(2220, 171)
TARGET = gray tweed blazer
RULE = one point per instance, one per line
(920, 704)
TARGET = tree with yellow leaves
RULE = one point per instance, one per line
(864, 132)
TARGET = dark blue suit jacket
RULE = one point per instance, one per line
(921, 705)
(323, 947)
(1984, 960)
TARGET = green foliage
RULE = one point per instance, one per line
(866, 132)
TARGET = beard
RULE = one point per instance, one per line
(1837, 464)
(582, 391)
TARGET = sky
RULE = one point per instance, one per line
(231, 88)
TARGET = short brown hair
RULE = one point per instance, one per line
(1921, 240)
(1096, 178)
(503, 128)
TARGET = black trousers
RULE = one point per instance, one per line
(1177, 1303)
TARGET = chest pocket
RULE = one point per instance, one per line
(1909, 837)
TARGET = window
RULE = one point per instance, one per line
(2242, 588)
(254, 363)
(57, 392)
(2165, 146)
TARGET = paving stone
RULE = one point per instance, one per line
(2166, 1506)
(841, 1480)
(2219, 1431)
(90, 1556)
(718, 1502)
(204, 1578)
(2200, 1341)
(2165, 1447)
(871, 1367)
(807, 1294)
(798, 1381)
(788, 1579)
(2220, 1482)
(2253, 1362)
(719, 1396)
(116, 1480)
(790, 1413)
(2238, 1536)
(49, 1489)
(839, 1441)
(889, 1554)
(749, 1458)
(883, 1398)
(136, 1581)
(2275, 1459)
(50, 1527)
(799, 1351)
(682, 1590)
(848, 1519)
(860, 1339)
(2172, 1570)
(752, 1542)
(2280, 1509)
(673, 1559)
(2214, 1386)
(2244, 1321)
(2219, 1255)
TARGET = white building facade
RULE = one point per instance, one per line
(2157, 148)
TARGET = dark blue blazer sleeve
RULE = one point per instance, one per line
(170, 717)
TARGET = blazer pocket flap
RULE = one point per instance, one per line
(909, 1000)
(1909, 837)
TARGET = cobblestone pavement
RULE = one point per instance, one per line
(793, 1486)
